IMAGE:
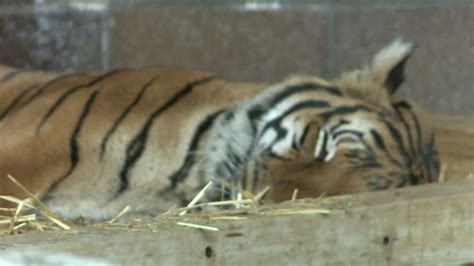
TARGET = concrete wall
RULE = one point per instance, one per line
(249, 40)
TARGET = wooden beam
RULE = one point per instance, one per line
(455, 140)
(423, 225)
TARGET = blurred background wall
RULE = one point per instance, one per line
(249, 40)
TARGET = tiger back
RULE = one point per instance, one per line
(92, 143)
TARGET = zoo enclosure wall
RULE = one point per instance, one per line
(249, 40)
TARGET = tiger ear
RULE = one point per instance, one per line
(388, 65)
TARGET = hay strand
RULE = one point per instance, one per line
(278, 212)
(122, 213)
(19, 219)
(261, 194)
(442, 173)
(196, 198)
(295, 194)
(198, 226)
(16, 201)
(41, 206)
(11, 227)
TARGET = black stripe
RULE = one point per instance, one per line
(233, 158)
(281, 133)
(338, 125)
(300, 88)
(294, 143)
(367, 157)
(256, 112)
(370, 160)
(45, 86)
(398, 106)
(14, 102)
(355, 153)
(345, 110)
(8, 76)
(182, 173)
(74, 146)
(372, 164)
(381, 145)
(236, 160)
(70, 92)
(360, 136)
(229, 116)
(11, 75)
(225, 170)
(136, 147)
(254, 115)
(305, 133)
(256, 175)
(122, 116)
(397, 137)
(415, 178)
(308, 104)
(419, 135)
(243, 179)
(431, 159)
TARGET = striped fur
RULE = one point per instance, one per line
(92, 143)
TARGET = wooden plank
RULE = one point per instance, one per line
(455, 140)
(424, 225)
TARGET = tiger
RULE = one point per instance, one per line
(89, 144)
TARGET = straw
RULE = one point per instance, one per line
(196, 198)
(295, 194)
(198, 226)
(46, 211)
(122, 213)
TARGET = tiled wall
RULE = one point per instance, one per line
(250, 40)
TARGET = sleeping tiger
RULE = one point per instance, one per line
(92, 143)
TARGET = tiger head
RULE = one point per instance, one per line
(365, 138)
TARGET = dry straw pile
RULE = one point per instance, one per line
(32, 215)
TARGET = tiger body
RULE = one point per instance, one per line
(92, 143)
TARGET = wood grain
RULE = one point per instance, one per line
(455, 139)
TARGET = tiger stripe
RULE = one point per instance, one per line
(122, 116)
(44, 87)
(183, 171)
(381, 145)
(300, 88)
(14, 102)
(11, 75)
(73, 145)
(136, 147)
(69, 93)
